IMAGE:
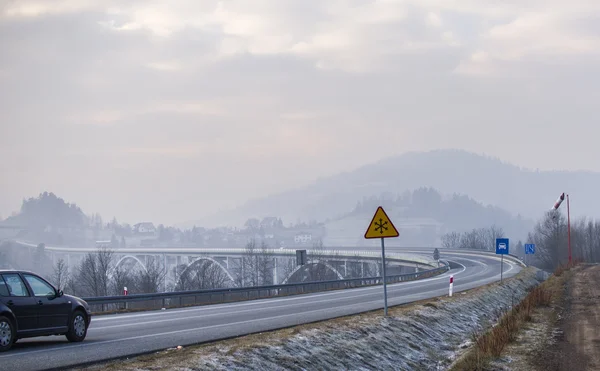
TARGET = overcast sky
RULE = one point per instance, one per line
(167, 113)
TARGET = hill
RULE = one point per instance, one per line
(485, 179)
(423, 216)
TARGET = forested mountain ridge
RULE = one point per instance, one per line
(485, 179)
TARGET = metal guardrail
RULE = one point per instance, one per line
(491, 254)
(227, 295)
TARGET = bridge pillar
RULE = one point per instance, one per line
(275, 276)
(166, 272)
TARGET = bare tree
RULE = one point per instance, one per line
(184, 278)
(451, 240)
(250, 275)
(105, 258)
(318, 265)
(354, 267)
(491, 234)
(92, 276)
(151, 279)
(204, 274)
(60, 277)
(87, 277)
(121, 278)
(265, 265)
(214, 277)
(592, 242)
(471, 240)
(476, 239)
(550, 237)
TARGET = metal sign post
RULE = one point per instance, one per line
(555, 207)
(502, 248)
(382, 227)
(385, 309)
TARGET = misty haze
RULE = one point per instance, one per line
(167, 157)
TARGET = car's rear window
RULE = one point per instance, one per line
(3, 288)
(15, 284)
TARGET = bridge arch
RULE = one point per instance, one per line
(314, 263)
(209, 259)
(120, 261)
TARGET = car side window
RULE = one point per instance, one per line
(16, 286)
(39, 286)
(3, 288)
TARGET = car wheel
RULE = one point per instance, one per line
(77, 327)
(7, 334)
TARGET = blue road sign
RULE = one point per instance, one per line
(501, 245)
(529, 248)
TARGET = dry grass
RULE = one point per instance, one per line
(490, 345)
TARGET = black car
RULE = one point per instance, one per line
(30, 306)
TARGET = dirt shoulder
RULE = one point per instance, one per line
(577, 345)
(566, 335)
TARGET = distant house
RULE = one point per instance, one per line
(303, 237)
(269, 222)
(144, 229)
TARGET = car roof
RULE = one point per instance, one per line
(16, 271)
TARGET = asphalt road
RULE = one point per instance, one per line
(113, 336)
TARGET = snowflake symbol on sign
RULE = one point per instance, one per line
(381, 225)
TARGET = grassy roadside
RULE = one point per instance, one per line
(490, 345)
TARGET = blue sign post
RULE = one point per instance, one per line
(529, 248)
(502, 248)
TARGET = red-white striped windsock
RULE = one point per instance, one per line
(559, 201)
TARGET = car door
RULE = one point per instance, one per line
(53, 311)
(20, 302)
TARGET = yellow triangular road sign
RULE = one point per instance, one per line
(381, 226)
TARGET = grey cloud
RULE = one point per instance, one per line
(86, 116)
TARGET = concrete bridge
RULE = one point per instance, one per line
(279, 265)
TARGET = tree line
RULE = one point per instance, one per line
(550, 236)
(476, 239)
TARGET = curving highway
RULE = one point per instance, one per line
(114, 336)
